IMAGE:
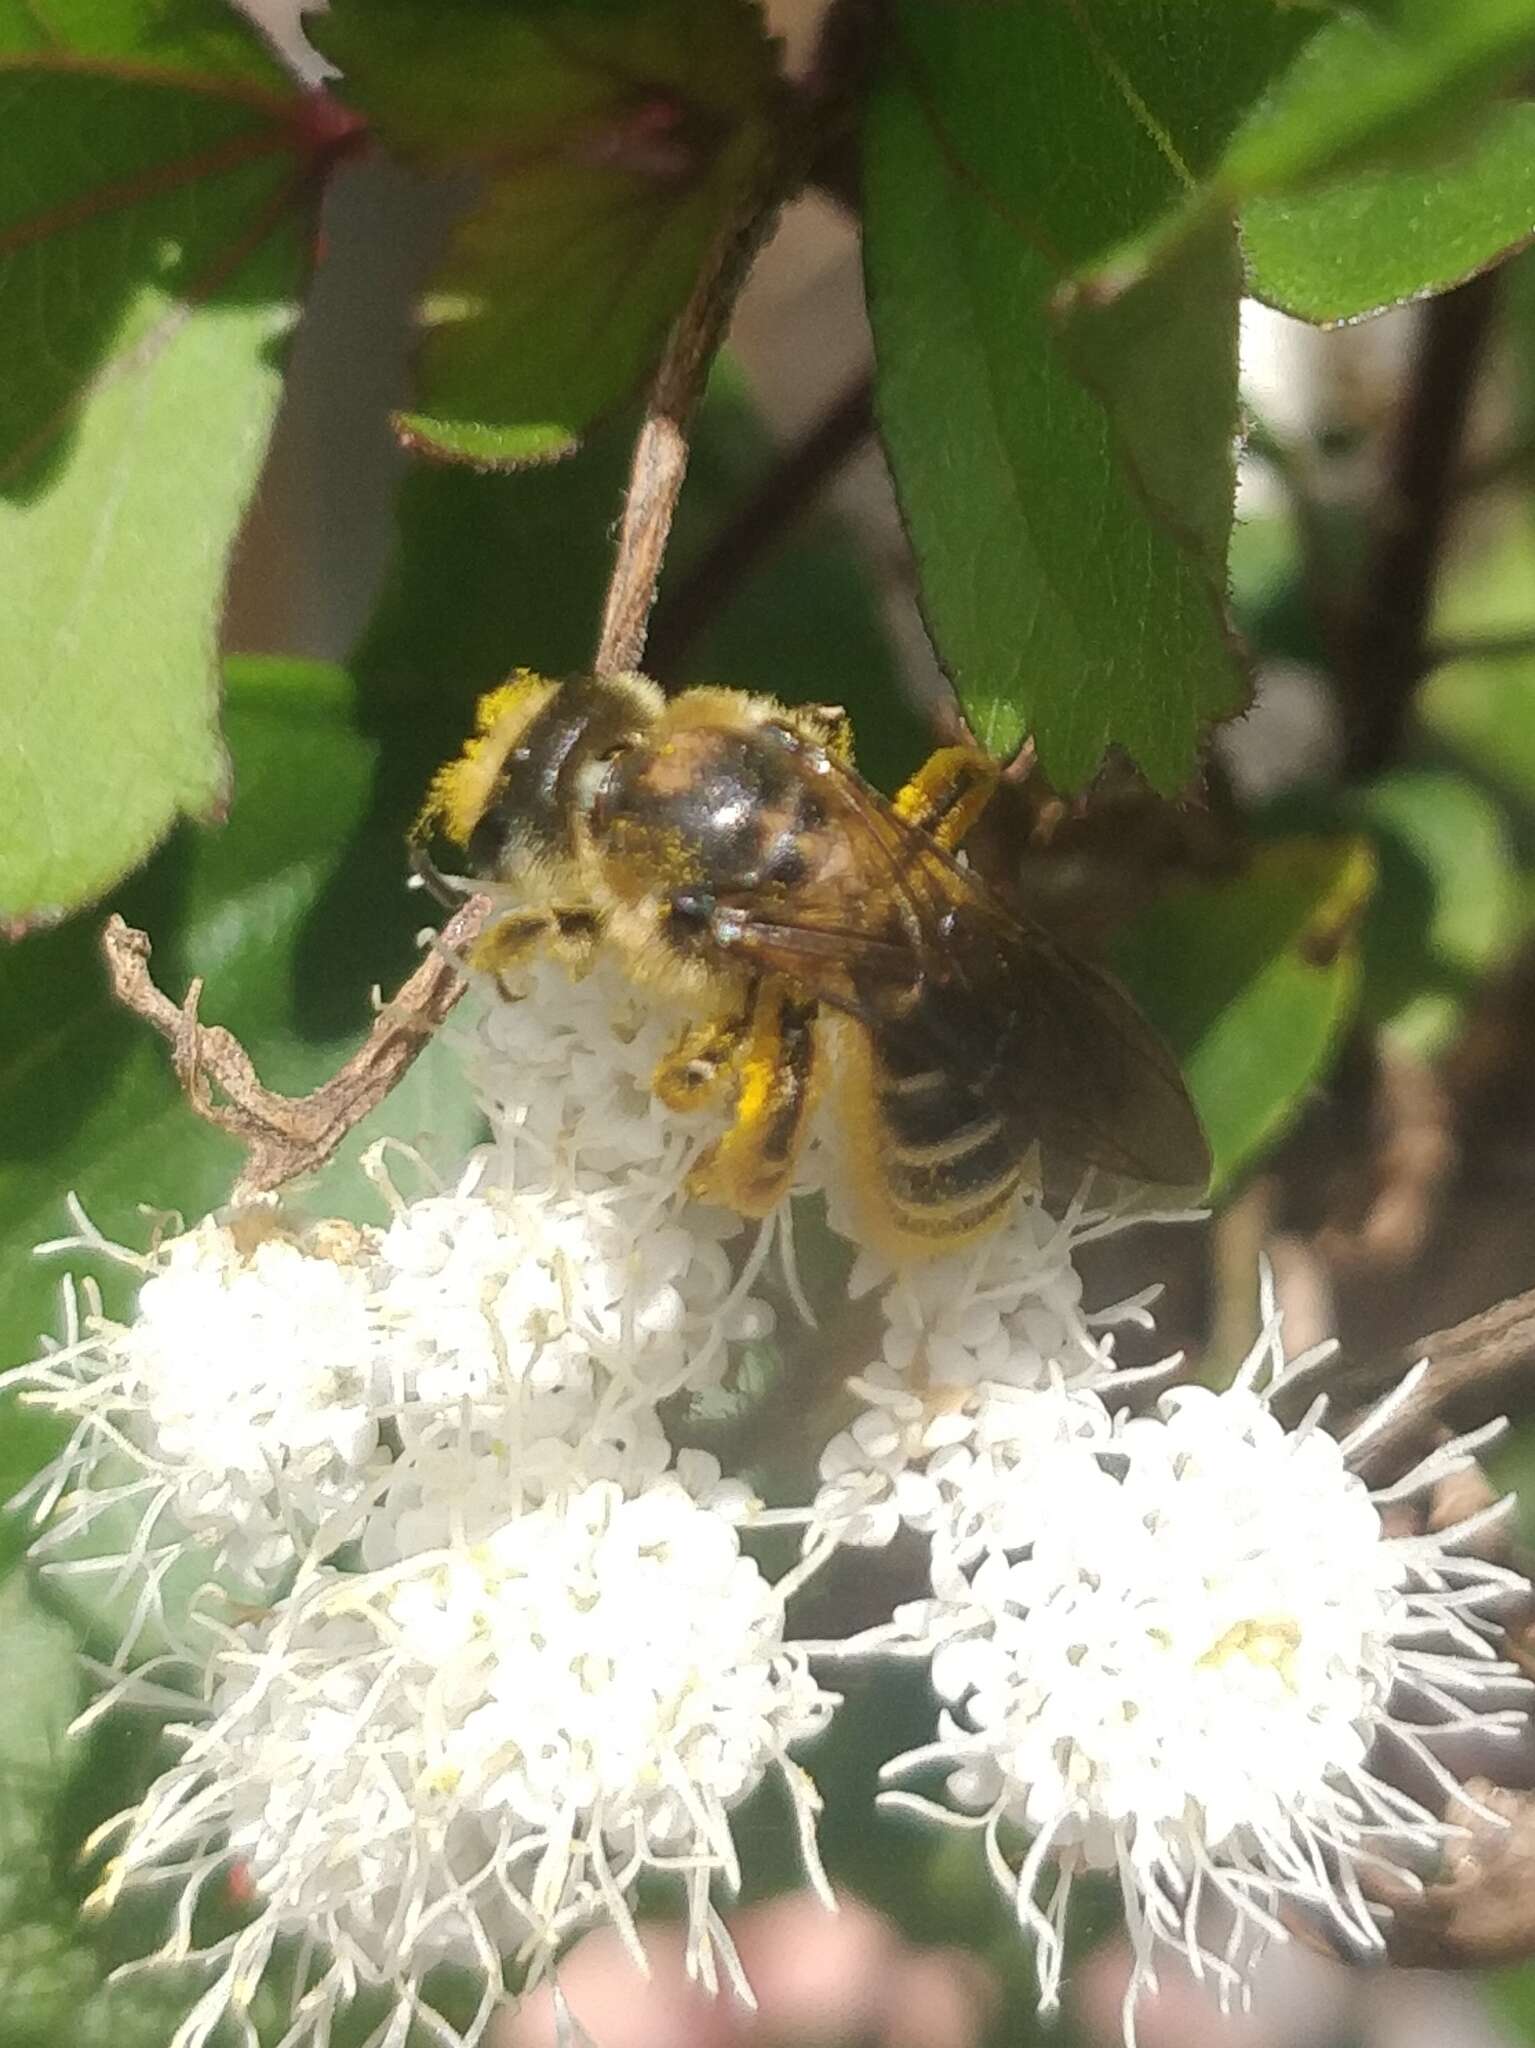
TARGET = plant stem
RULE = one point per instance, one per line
(1387, 644)
(660, 463)
(785, 493)
(813, 120)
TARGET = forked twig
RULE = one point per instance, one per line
(288, 1135)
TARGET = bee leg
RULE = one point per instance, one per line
(750, 1168)
(574, 937)
(948, 793)
(505, 944)
(697, 1069)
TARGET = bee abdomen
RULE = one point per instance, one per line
(971, 1138)
(949, 1162)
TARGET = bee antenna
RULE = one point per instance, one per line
(430, 877)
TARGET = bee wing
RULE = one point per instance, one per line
(1050, 1042)
(838, 939)
(1079, 1066)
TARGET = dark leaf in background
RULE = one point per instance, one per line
(607, 149)
(1251, 982)
(1480, 707)
(44, 1973)
(1065, 470)
(152, 168)
(1484, 709)
(1446, 910)
(55, 1788)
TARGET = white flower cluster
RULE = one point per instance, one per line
(1186, 1652)
(483, 1647)
(1004, 1320)
(464, 1756)
(280, 1389)
(480, 1648)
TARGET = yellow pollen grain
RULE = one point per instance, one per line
(1266, 1643)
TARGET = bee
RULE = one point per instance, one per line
(726, 845)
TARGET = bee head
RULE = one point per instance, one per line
(526, 773)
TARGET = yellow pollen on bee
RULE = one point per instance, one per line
(493, 705)
(756, 1088)
(459, 791)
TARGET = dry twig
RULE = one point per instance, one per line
(286, 1135)
(660, 462)
(1482, 1913)
(1471, 1367)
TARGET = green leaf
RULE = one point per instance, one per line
(42, 1695)
(1372, 171)
(46, 1975)
(1064, 466)
(1391, 234)
(43, 1974)
(54, 1788)
(291, 913)
(1480, 707)
(150, 247)
(1483, 709)
(612, 145)
(1510, 1993)
(1364, 90)
(1251, 981)
(1446, 908)
(193, 38)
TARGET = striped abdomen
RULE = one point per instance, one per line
(937, 1163)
